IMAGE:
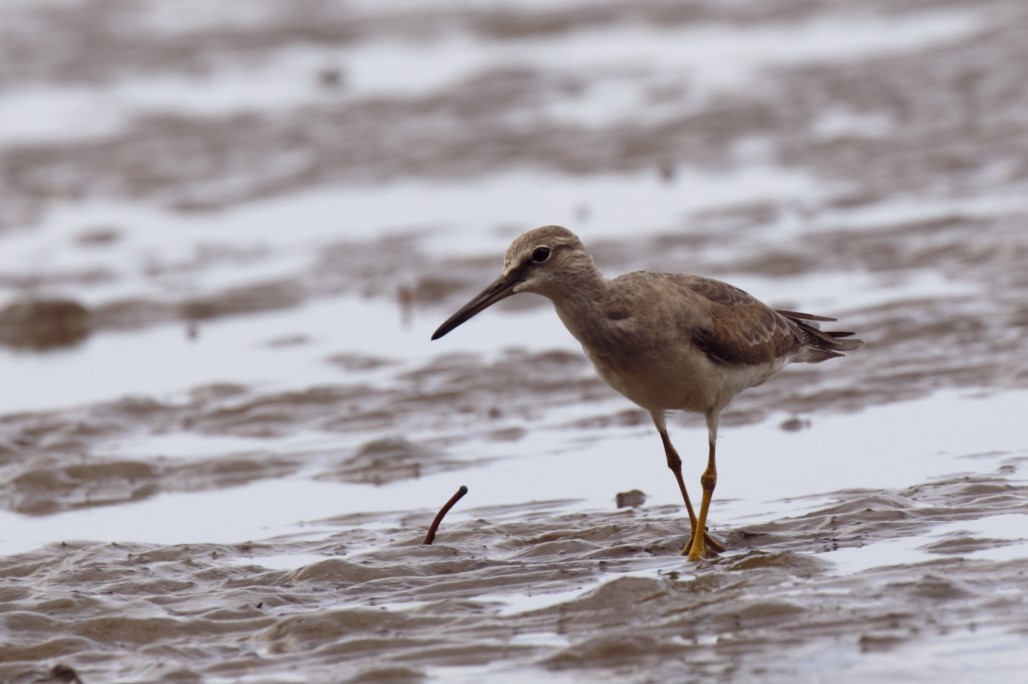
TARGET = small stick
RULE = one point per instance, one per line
(430, 537)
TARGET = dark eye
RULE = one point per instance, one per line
(540, 254)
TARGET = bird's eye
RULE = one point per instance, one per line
(540, 254)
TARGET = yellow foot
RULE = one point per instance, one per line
(707, 548)
(713, 544)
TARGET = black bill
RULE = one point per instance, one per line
(501, 288)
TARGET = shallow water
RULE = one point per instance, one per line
(223, 471)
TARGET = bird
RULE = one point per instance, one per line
(666, 341)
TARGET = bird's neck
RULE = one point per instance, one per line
(581, 302)
(582, 286)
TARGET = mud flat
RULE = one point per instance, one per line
(226, 237)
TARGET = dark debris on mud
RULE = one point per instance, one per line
(40, 324)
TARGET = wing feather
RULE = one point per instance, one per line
(728, 325)
(741, 329)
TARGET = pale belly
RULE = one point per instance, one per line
(691, 382)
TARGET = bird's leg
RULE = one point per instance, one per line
(699, 549)
(674, 462)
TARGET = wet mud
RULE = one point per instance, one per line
(224, 431)
(380, 606)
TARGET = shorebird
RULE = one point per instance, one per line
(665, 341)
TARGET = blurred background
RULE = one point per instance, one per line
(227, 231)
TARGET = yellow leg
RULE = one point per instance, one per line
(674, 462)
(698, 547)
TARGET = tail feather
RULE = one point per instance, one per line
(816, 345)
(797, 316)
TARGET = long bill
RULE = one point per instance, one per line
(501, 288)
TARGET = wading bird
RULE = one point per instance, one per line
(664, 340)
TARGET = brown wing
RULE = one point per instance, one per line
(817, 345)
(741, 329)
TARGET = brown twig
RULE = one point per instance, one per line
(430, 537)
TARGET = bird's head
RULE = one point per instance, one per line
(538, 261)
